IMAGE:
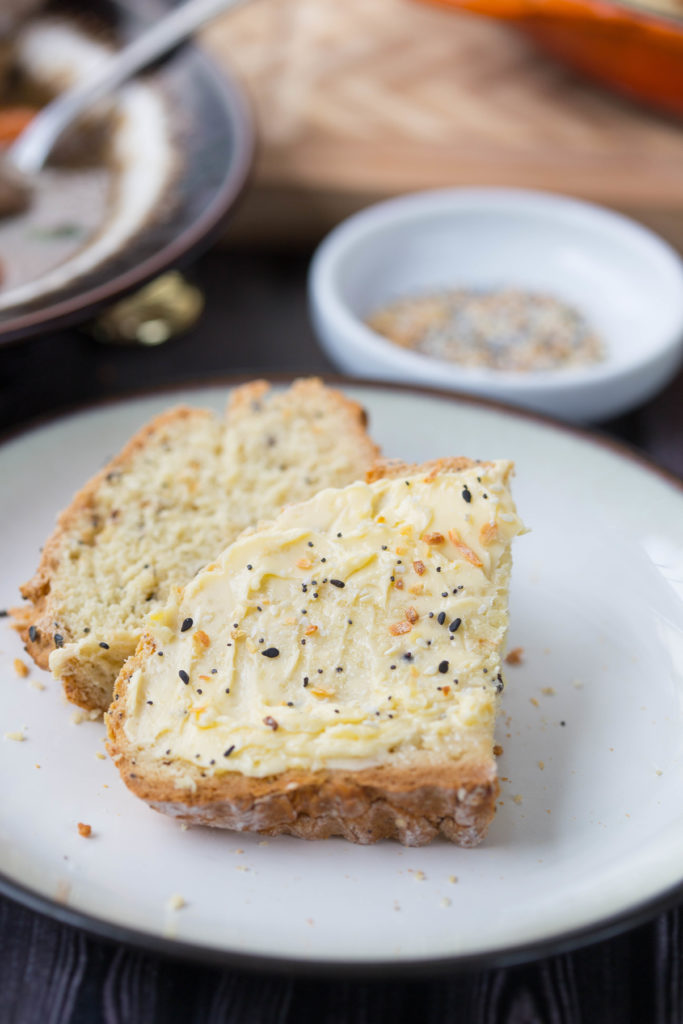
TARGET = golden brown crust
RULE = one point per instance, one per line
(306, 389)
(412, 803)
(387, 469)
(36, 623)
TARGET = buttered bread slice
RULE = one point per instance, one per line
(185, 486)
(335, 671)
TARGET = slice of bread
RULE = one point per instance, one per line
(335, 671)
(185, 486)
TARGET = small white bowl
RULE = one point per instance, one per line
(626, 281)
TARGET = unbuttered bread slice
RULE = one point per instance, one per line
(185, 486)
(336, 671)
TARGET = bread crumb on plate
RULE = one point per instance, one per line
(515, 656)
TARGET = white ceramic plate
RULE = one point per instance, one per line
(589, 831)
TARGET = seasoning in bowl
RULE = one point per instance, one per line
(498, 329)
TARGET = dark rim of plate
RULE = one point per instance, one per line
(640, 913)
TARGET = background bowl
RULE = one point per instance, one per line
(625, 280)
(213, 141)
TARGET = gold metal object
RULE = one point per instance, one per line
(161, 310)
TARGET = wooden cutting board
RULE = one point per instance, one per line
(361, 99)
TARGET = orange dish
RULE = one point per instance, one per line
(636, 48)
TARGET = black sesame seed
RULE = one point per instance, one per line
(235, 625)
(305, 680)
(104, 645)
(392, 667)
(337, 583)
(431, 615)
(200, 691)
(270, 652)
(150, 701)
(187, 624)
(315, 594)
(184, 676)
(250, 567)
(303, 642)
(384, 547)
(444, 593)
(33, 633)
(4, 613)
(160, 654)
(59, 640)
(290, 703)
(408, 656)
(320, 671)
(438, 568)
(563, 723)
(443, 667)
(323, 559)
(214, 671)
(350, 622)
(227, 689)
(229, 751)
(310, 543)
(340, 668)
(339, 534)
(455, 625)
(441, 618)
(467, 494)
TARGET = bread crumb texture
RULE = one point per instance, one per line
(354, 728)
(185, 486)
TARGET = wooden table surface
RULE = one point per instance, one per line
(355, 101)
(54, 974)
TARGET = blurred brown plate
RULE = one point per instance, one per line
(211, 140)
